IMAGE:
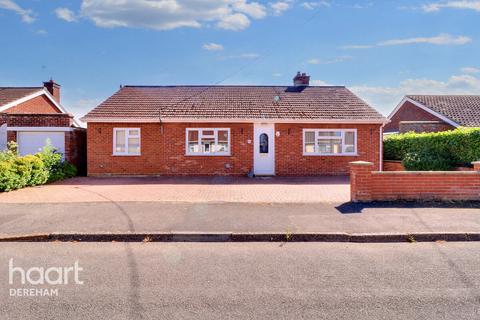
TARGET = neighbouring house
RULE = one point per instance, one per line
(293, 130)
(433, 113)
(31, 116)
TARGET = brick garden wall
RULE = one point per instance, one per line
(369, 185)
(392, 165)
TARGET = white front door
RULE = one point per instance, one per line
(264, 149)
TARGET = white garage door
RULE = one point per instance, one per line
(33, 142)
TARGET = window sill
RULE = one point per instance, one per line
(126, 155)
(208, 155)
(330, 155)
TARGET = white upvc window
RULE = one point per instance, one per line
(126, 141)
(208, 141)
(330, 142)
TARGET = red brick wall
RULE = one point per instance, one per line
(423, 126)
(409, 112)
(164, 153)
(290, 160)
(369, 185)
(76, 149)
(391, 165)
(40, 120)
(39, 105)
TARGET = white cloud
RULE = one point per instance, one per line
(243, 56)
(314, 4)
(441, 39)
(362, 5)
(386, 98)
(280, 7)
(253, 9)
(26, 14)
(41, 32)
(235, 22)
(248, 56)
(66, 14)
(462, 4)
(171, 14)
(212, 46)
(276, 75)
(470, 70)
(319, 83)
(329, 61)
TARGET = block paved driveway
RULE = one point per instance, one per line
(180, 189)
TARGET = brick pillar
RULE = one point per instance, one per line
(360, 181)
(476, 165)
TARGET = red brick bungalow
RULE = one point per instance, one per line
(434, 113)
(232, 130)
(32, 115)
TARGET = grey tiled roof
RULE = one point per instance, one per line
(462, 109)
(8, 94)
(234, 102)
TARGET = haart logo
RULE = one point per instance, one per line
(39, 276)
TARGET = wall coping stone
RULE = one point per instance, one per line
(361, 163)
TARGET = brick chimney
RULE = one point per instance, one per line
(53, 88)
(301, 80)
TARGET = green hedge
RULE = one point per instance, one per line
(18, 172)
(434, 151)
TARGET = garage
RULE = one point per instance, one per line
(31, 142)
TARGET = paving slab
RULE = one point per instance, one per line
(330, 189)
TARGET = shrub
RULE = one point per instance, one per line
(31, 170)
(8, 176)
(39, 174)
(434, 151)
(425, 161)
(23, 169)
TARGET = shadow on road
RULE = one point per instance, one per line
(357, 207)
(135, 307)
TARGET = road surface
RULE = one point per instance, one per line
(245, 281)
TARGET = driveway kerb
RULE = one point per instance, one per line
(243, 237)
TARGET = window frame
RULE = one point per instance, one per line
(342, 154)
(200, 135)
(127, 136)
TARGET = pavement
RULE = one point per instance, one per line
(248, 281)
(236, 205)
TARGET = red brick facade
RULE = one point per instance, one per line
(290, 160)
(40, 120)
(37, 105)
(409, 112)
(369, 185)
(41, 112)
(163, 151)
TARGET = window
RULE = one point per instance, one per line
(329, 142)
(126, 141)
(263, 143)
(208, 141)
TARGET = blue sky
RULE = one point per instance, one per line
(381, 50)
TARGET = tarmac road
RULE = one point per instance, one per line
(247, 281)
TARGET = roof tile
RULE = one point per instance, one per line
(234, 102)
(463, 109)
